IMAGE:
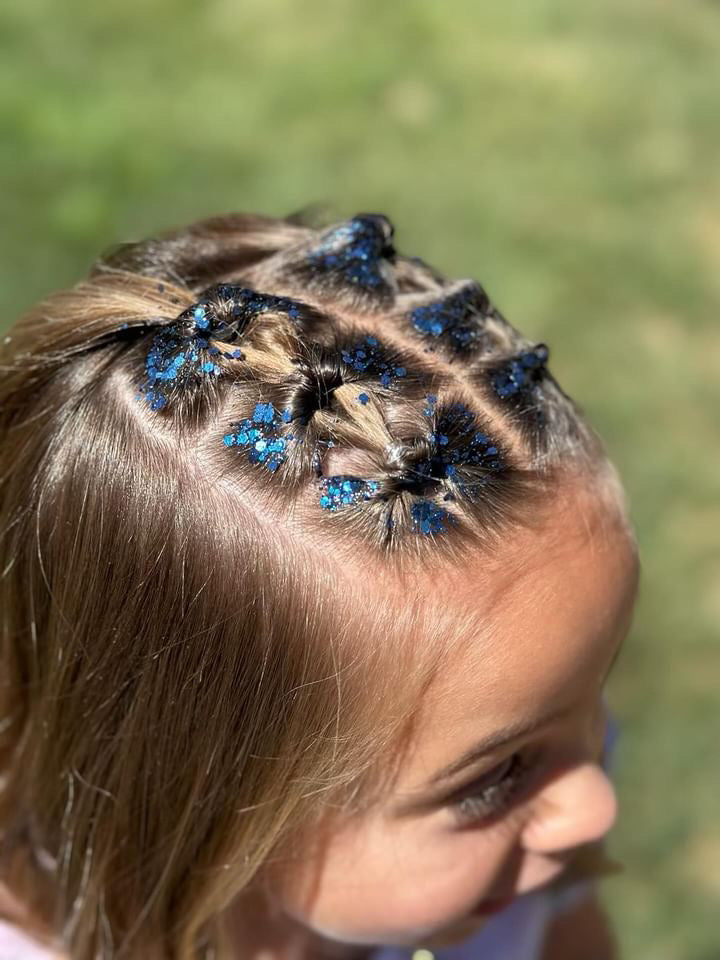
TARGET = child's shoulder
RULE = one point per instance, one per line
(15, 943)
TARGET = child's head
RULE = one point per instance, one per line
(290, 522)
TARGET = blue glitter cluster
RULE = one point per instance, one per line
(353, 251)
(455, 442)
(238, 305)
(455, 422)
(474, 449)
(340, 491)
(181, 353)
(520, 373)
(260, 436)
(427, 518)
(454, 318)
(367, 358)
(174, 359)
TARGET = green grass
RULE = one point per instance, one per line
(565, 154)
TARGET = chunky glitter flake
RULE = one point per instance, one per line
(261, 436)
(354, 251)
(520, 374)
(368, 357)
(453, 320)
(341, 491)
(429, 410)
(427, 518)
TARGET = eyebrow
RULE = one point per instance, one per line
(499, 738)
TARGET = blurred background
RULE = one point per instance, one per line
(565, 154)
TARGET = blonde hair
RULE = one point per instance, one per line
(190, 666)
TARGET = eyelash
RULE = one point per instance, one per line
(475, 804)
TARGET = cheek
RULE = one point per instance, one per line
(392, 886)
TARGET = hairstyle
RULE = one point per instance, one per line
(208, 445)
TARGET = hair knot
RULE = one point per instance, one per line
(355, 254)
(224, 311)
(181, 354)
(520, 373)
(316, 382)
(455, 321)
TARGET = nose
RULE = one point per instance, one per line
(579, 806)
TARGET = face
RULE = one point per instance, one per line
(502, 783)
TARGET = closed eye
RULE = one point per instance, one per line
(493, 793)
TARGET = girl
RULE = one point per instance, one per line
(312, 580)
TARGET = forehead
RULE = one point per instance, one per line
(538, 626)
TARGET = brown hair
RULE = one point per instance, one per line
(190, 669)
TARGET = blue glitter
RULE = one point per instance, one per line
(263, 413)
(354, 251)
(226, 309)
(363, 398)
(201, 320)
(455, 443)
(340, 491)
(260, 436)
(455, 318)
(175, 360)
(368, 357)
(520, 374)
(427, 518)
(429, 410)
